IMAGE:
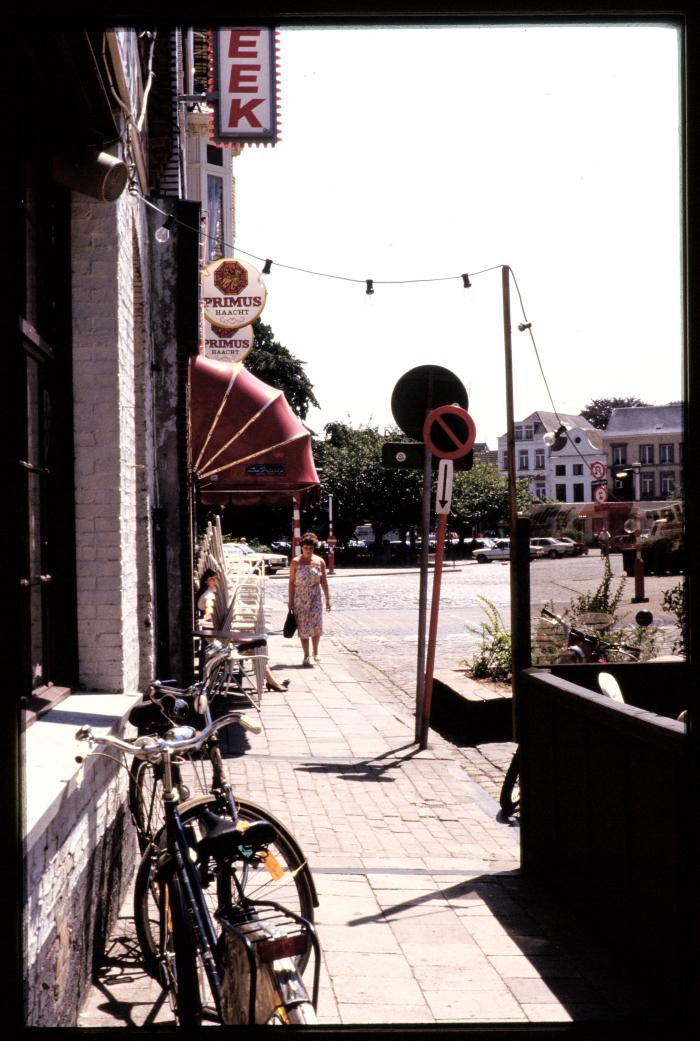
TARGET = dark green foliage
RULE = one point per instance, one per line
(276, 365)
(598, 411)
(674, 602)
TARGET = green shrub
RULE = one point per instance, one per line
(603, 600)
(674, 602)
(494, 656)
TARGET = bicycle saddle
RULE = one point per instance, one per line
(149, 717)
(223, 838)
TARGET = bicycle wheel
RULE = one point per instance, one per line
(510, 791)
(146, 798)
(293, 885)
(179, 955)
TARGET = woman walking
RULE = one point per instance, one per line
(307, 581)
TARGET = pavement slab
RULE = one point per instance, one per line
(424, 916)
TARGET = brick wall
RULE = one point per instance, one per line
(112, 505)
(79, 854)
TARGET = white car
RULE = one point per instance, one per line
(271, 562)
(499, 549)
(493, 549)
(554, 548)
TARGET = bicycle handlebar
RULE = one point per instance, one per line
(143, 747)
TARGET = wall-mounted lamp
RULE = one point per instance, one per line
(162, 234)
(97, 174)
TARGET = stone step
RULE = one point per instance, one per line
(477, 691)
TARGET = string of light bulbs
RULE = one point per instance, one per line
(162, 234)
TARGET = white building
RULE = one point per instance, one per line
(564, 474)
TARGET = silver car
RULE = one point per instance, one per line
(553, 548)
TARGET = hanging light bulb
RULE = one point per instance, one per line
(556, 440)
(266, 269)
(465, 282)
(370, 287)
(162, 234)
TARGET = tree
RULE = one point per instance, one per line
(598, 411)
(349, 461)
(274, 364)
(480, 498)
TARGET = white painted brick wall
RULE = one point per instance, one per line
(79, 853)
(112, 428)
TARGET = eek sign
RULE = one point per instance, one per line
(245, 86)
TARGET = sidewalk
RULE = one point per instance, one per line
(423, 917)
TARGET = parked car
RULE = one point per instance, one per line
(270, 562)
(578, 549)
(493, 549)
(499, 549)
(554, 548)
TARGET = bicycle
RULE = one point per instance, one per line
(164, 706)
(579, 646)
(285, 870)
(251, 970)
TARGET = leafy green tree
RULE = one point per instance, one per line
(277, 366)
(598, 411)
(480, 498)
(349, 461)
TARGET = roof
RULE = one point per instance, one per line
(645, 419)
(552, 420)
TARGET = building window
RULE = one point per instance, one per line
(210, 182)
(578, 493)
(539, 459)
(577, 472)
(560, 492)
(523, 460)
(647, 486)
(540, 491)
(619, 454)
(668, 482)
(518, 433)
(215, 217)
(666, 453)
(646, 455)
(528, 433)
(504, 461)
(560, 470)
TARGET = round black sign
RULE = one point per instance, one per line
(421, 390)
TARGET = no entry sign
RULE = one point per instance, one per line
(449, 432)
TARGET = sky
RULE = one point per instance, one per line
(412, 155)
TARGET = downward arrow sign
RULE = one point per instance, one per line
(443, 497)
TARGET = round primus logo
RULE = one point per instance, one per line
(233, 293)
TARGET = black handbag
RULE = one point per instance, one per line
(290, 625)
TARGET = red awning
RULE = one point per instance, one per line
(247, 446)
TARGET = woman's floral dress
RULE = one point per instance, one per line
(308, 604)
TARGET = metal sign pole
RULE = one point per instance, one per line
(432, 637)
(423, 590)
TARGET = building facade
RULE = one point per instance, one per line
(644, 449)
(553, 475)
(100, 319)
